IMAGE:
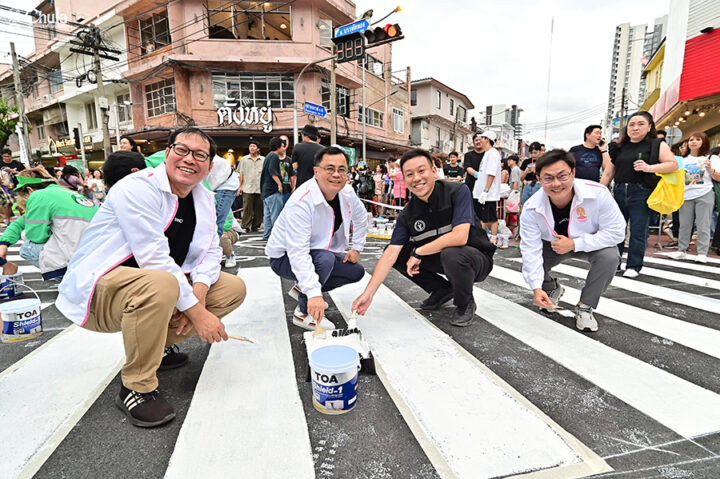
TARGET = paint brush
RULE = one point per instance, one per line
(242, 338)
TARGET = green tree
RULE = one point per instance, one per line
(8, 121)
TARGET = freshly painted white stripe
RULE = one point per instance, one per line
(46, 393)
(638, 286)
(246, 418)
(680, 405)
(691, 257)
(465, 417)
(682, 277)
(691, 265)
(14, 257)
(700, 338)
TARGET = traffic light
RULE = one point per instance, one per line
(76, 136)
(349, 47)
(382, 35)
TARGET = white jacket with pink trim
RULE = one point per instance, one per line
(595, 223)
(132, 222)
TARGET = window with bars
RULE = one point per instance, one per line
(40, 129)
(91, 115)
(124, 110)
(438, 99)
(372, 117)
(253, 89)
(462, 114)
(154, 32)
(160, 97)
(375, 66)
(398, 120)
(452, 107)
(55, 81)
(413, 97)
(249, 20)
(342, 97)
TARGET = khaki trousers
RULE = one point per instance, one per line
(140, 303)
(227, 239)
(252, 211)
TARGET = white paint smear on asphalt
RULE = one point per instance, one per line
(246, 418)
(700, 338)
(45, 394)
(680, 405)
(477, 427)
(683, 298)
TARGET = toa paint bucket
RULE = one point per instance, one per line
(10, 285)
(334, 373)
(21, 320)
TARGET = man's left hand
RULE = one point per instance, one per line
(413, 266)
(352, 256)
(562, 244)
(483, 197)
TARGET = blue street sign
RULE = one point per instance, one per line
(349, 29)
(317, 110)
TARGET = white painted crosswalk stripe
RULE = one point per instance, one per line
(705, 303)
(686, 265)
(246, 418)
(700, 338)
(435, 383)
(692, 257)
(680, 405)
(46, 393)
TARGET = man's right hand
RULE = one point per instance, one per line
(239, 191)
(542, 299)
(316, 307)
(208, 326)
(362, 303)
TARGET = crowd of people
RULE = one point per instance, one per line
(138, 245)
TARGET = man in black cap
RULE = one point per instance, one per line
(303, 155)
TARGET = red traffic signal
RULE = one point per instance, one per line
(382, 35)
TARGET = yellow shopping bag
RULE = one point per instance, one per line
(669, 194)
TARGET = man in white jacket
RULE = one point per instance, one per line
(569, 218)
(148, 265)
(309, 238)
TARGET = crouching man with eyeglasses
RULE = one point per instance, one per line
(148, 265)
(309, 238)
(569, 218)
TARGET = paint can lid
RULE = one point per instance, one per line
(334, 359)
(19, 305)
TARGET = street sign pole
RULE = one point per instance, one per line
(333, 100)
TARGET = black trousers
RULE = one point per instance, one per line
(463, 266)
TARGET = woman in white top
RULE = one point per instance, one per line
(96, 186)
(700, 170)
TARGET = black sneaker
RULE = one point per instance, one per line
(464, 316)
(436, 299)
(144, 409)
(173, 358)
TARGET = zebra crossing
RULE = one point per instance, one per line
(518, 393)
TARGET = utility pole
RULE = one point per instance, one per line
(365, 113)
(101, 102)
(333, 100)
(19, 99)
(455, 127)
(622, 109)
(82, 146)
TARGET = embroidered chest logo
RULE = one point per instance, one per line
(81, 200)
(581, 216)
(419, 225)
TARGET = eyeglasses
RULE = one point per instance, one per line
(182, 150)
(562, 178)
(331, 169)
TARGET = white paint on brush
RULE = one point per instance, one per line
(700, 338)
(246, 418)
(45, 394)
(683, 298)
(470, 423)
(680, 405)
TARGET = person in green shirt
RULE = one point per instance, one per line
(54, 220)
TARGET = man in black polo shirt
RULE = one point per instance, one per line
(472, 160)
(591, 156)
(436, 233)
(303, 155)
(453, 171)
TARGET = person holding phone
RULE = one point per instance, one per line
(591, 156)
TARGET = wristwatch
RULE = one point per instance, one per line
(415, 254)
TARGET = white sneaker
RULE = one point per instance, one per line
(631, 273)
(308, 322)
(678, 255)
(701, 258)
(584, 318)
(230, 262)
(555, 296)
(295, 291)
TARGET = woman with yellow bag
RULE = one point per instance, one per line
(701, 169)
(635, 159)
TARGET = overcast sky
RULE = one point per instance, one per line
(498, 51)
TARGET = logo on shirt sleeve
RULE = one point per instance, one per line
(81, 200)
